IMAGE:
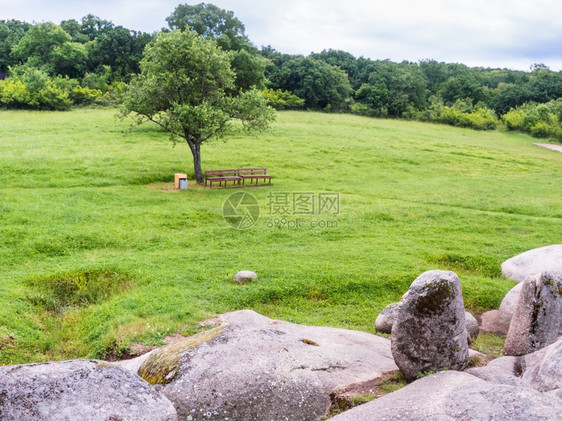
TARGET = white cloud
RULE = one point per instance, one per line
(497, 33)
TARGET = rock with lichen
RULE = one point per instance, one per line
(78, 390)
(430, 331)
(253, 368)
(536, 320)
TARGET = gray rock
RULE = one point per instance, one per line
(542, 370)
(245, 276)
(510, 300)
(255, 368)
(503, 370)
(526, 265)
(455, 396)
(495, 321)
(387, 317)
(536, 320)
(78, 390)
(430, 332)
(389, 314)
(472, 328)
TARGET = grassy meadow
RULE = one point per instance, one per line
(97, 252)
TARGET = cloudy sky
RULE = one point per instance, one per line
(490, 33)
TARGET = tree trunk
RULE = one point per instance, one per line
(195, 147)
(196, 151)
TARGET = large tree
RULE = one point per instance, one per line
(221, 25)
(185, 87)
(211, 21)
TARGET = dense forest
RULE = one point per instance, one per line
(50, 66)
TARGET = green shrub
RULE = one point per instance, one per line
(514, 119)
(539, 120)
(282, 100)
(461, 114)
(53, 98)
(13, 93)
(84, 95)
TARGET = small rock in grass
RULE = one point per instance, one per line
(245, 276)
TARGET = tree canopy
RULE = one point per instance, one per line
(90, 60)
(185, 87)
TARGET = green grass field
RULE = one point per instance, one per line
(97, 252)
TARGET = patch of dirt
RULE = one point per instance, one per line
(360, 393)
(550, 146)
(167, 187)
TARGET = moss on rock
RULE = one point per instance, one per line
(162, 366)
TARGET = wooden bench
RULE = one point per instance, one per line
(254, 174)
(220, 176)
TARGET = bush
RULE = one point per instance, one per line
(461, 114)
(13, 93)
(84, 95)
(53, 98)
(282, 100)
(539, 120)
(514, 119)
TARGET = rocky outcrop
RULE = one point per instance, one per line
(254, 368)
(430, 332)
(78, 390)
(536, 319)
(452, 396)
(526, 265)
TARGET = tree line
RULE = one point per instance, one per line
(49, 66)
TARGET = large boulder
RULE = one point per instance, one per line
(78, 390)
(253, 368)
(509, 302)
(389, 314)
(451, 396)
(430, 332)
(536, 320)
(526, 265)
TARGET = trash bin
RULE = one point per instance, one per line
(183, 183)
